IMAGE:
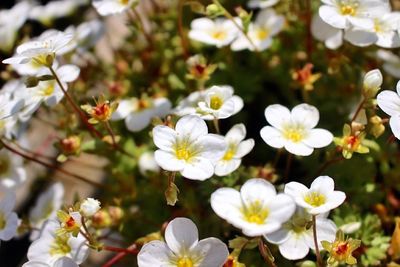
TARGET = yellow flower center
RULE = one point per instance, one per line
(262, 34)
(216, 102)
(48, 90)
(255, 213)
(185, 262)
(347, 10)
(184, 150)
(218, 35)
(230, 153)
(124, 2)
(293, 134)
(3, 221)
(315, 199)
(60, 246)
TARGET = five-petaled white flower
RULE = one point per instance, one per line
(389, 102)
(219, 103)
(188, 149)
(111, 7)
(219, 32)
(139, 112)
(89, 207)
(257, 209)
(267, 25)
(8, 218)
(295, 238)
(317, 199)
(294, 130)
(237, 149)
(183, 248)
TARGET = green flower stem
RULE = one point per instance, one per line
(319, 259)
(216, 126)
(266, 253)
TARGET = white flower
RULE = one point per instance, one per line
(46, 207)
(267, 25)
(237, 149)
(9, 111)
(12, 171)
(294, 130)
(147, 163)
(183, 248)
(8, 218)
(111, 7)
(322, 31)
(11, 20)
(139, 112)
(188, 149)
(89, 207)
(52, 246)
(54, 9)
(261, 3)
(85, 35)
(41, 51)
(389, 102)
(295, 238)
(219, 32)
(188, 105)
(256, 209)
(343, 14)
(391, 62)
(372, 82)
(61, 262)
(317, 199)
(219, 103)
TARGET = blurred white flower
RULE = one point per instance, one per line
(322, 31)
(111, 7)
(389, 102)
(188, 105)
(188, 149)
(9, 112)
(343, 14)
(8, 218)
(256, 209)
(266, 25)
(139, 112)
(12, 171)
(317, 199)
(261, 3)
(147, 163)
(183, 248)
(51, 246)
(219, 103)
(41, 51)
(219, 32)
(61, 262)
(85, 35)
(46, 207)
(54, 10)
(89, 207)
(237, 149)
(294, 130)
(391, 62)
(350, 228)
(295, 238)
(11, 20)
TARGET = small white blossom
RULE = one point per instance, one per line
(8, 218)
(12, 171)
(189, 149)
(322, 31)
(89, 207)
(111, 7)
(317, 199)
(389, 102)
(294, 130)
(183, 248)
(261, 3)
(257, 209)
(147, 163)
(219, 32)
(295, 238)
(237, 149)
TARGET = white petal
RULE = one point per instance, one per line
(335, 41)
(213, 251)
(68, 73)
(299, 149)
(281, 208)
(168, 161)
(198, 169)
(326, 231)
(238, 103)
(389, 102)
(191, 125)
(277, 115)
(244, 148)
(162, 106)
(226, 203)
(295, 190)
(236, 133)
(294, 248)
(330, 15)
(278, 237)
(7, 203)
(360, 37)
(257, 190)
(272, 137)
(181, 234)
(213, 146)
(124, 108)
(164, 137)
(394, 123)
(225, 167)
(323, 184)
(154, 253)
(305, 115)
(318, 138)
(137, 121)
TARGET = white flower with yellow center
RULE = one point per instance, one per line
(182, 248)
(189, 149)
(294, 130)
(295, 238)
(389, 102)
(219, 32)
(257, 209)
(237, 149)
(267, 25)
(138, 113)
(42, 51)
(51, 246)
(219, 103)
(12, 171)
(343, 14)
(111, 7)
(262, 3)
(8, 218)
(317, 199)
(46, 207)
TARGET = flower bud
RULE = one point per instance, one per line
(89, 207)
(214, 10)
(372, 83)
